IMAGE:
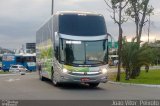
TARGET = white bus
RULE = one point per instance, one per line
(72, 48)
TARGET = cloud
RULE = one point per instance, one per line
(24, 11)
(20, 19)
(13, 42)
(82, 5)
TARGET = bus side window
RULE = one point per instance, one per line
(34, 59)
(23, 59)
(18, 59)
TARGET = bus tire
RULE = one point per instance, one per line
(54, 81)
(93, 85)
(41, 76)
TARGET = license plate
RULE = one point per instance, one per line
(84, 79)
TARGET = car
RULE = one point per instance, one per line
(18, 69)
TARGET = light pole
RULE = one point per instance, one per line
(52, 8)
(149, 24)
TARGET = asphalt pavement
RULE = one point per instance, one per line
(29, 87)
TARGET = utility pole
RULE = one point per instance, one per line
(52, 9)
(149, 24)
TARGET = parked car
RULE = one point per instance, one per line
(18, 68)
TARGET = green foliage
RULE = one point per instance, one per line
(145, 78)
(46, 53)
(134, 56)
(156, 46)
(115, 2)
(138, 10)
(139, 5)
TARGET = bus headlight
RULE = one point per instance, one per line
(104, 71)
(65, 70)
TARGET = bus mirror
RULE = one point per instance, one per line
(112, 43)
(104, 45)
(108, 34)
(56, 38)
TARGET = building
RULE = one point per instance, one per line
(30, 47)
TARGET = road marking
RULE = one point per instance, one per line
(12, 80)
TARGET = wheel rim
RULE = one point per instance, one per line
(54, 81)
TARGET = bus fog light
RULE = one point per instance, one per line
(65, 70)
(104, 71)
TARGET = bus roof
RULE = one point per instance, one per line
(25, 54)
(7, 54)
(77, 12)
(69, 12)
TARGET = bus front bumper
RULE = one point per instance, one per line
(68, 78)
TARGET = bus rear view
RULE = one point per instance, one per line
(80, 49)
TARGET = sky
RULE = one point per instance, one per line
(20, 19)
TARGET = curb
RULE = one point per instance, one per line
(132, 84)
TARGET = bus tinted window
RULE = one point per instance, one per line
(14, 66)
(29, 59)
(82, 25)
(18, 59)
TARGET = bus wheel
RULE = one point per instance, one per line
(41, 76)
(54, 81)
(93, 85)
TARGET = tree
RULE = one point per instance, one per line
(134, 56)
(138, 10)
(156, 46)
(118, 6)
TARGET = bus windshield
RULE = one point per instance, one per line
(82, 25)
(84, 52)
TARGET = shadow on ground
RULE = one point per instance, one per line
(73, 86)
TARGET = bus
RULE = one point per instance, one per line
(113, 60)
(72, 47)
(0, 61)
(27, 60)
(7, 61)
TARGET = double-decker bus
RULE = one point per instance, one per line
(27, 60)
(72, 48)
